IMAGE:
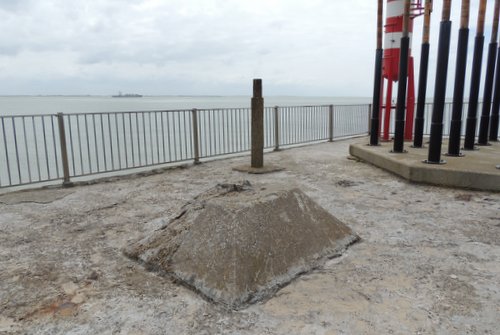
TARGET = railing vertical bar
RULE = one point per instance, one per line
(184, 130)
(210, 133)
(298, 124)
(234, 129)
(185, 137)
(238, 134)
(203, 133)
(80, 143)
(163, 136)
(216, 131)
(132, 144)
(28, 162)
(103, 141)
(307, 123)
(138, 139)
(213, 137)
(306, 136)
(55, 146)
(151, 148)
(276, 128)
(110, 134)
(313, 129)
(169, 134)
(45, 147)
(95, 144)
(303, 117)
(6, 151)
(157, 134)
(182, 142)
(143, 117)
(189, 135)
(36, 148)
(174, 137)
(316, 127)
(70, 126)
(125, 146)
(226, 131)
(294, 117)
(285, 131)
(118, 149)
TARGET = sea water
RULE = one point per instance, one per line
(36, 105)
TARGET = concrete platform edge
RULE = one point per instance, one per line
(418, 172)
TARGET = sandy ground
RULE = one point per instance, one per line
(428, 262)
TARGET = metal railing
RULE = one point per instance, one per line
(44, 148)
(446, 118)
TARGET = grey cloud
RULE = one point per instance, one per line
(14, 5)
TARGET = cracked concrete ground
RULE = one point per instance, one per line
(428, 261)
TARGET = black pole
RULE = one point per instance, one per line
(458, 93)
(470, 128)
(377, 86)
(490, 73)
(422, 79)
(422, 91)
(376, 98)
(399, 129)
(496, 103)
(436, 138)
(488, 88)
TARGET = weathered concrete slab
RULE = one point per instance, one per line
(476, 170)
(44, 196)
(237, 244)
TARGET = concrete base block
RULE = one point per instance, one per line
(474, 170)
(236, 244)
(265, 169)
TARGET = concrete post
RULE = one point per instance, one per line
(64, 150)
(257, 160)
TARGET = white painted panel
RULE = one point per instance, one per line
(395, 8)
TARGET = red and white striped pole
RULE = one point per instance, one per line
(392, 51)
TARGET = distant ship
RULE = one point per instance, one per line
(127, 95)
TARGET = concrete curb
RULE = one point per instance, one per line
(474, 171)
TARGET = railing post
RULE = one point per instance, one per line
(196, 142)
(64, 150)
(330, 124)
(276, 128)
(369, 118)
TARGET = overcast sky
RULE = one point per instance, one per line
(199, 47)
